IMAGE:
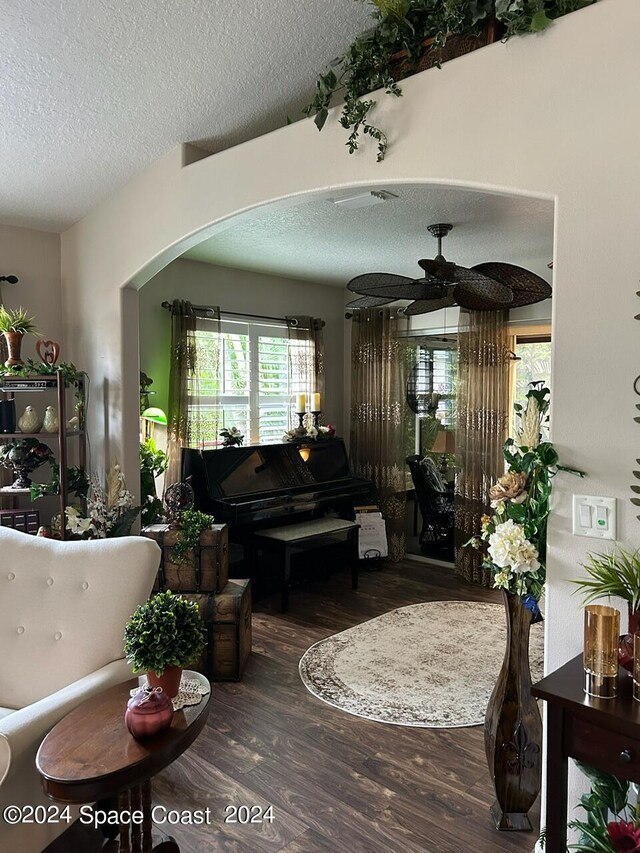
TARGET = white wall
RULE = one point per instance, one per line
(552, 115)
(34, 257)
(238, 291)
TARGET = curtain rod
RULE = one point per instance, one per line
(208, 309)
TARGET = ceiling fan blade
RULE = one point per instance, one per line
(364, 283)
(425, 306)
(527, 287)
(369, 302)
(419, 289)
(475, 291)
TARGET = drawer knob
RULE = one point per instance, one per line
(625, 756)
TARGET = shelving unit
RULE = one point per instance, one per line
(54, 383)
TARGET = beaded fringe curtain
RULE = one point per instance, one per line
(378, 412)
(482, 426)
(306, 357)
(184, 420)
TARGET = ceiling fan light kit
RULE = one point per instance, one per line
(491, 286)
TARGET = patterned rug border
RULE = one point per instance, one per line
(377, 719)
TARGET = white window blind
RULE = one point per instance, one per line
(440, 378)
(252, 390)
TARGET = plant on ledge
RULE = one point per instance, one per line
(110, 511)
(403, 27)
(232, 437)
(153, 462)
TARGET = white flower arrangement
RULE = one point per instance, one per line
(110, 511)
(309, 433)
(512, 553)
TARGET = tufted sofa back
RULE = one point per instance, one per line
(63, 608)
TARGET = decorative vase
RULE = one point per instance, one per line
(625, 649)
(169, 680)
(513, 727)
(50, 422)
(148, 712)
(14, 345)
(30, 420)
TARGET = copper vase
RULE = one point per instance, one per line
(14, 344)
(625, 650)
(513, 727)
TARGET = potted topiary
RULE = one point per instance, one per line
(162, 637)
(14, 325)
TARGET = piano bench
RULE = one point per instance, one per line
(285, 540)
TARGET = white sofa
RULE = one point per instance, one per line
(63, 609)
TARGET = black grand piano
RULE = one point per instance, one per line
(268, 485)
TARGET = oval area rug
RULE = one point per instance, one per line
(430, 665)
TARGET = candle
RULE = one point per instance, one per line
(301, 402)
(316, 403)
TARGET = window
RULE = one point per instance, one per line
(251, 388)
(435, 373)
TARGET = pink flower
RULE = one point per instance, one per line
(625, 836)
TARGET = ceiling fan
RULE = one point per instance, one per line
(491, 286)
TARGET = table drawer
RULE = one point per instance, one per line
(608, 750)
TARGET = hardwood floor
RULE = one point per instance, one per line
(336, 782)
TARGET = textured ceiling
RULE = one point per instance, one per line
(95, 90)
(319, 241)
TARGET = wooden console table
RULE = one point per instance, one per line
(604, 733)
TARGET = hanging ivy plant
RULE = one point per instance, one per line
(404, 25)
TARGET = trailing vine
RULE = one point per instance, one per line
(404, 25)
(192, 524)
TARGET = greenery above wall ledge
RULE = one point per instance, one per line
(404, 30)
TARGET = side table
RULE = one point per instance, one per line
(89, 756)
(604, 733)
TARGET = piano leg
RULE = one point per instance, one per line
(286, 577)
(355, 561)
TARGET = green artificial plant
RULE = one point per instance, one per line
(403, 26)
(153, 463)
(192, 524)
(165, 631)
(17, 320)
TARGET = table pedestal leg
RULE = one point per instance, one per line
(124, 805)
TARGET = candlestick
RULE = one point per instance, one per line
(316, 415)
(301, 419)
(316, 402)
(601, 633)
(301, 403)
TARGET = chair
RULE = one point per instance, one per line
(63, 609)
(435, 499)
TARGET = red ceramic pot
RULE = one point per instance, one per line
(148, 712)
(169, 680)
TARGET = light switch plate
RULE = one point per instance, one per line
(602, 513)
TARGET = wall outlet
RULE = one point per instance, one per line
(594, 517)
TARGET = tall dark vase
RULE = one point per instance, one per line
(513, 727)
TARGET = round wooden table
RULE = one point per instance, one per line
(89, 756)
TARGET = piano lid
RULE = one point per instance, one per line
(269, 467)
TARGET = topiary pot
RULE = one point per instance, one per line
(169, 680)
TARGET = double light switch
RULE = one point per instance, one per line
(594, 516)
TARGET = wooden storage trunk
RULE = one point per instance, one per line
(26, 520)
(227, 616)
(206, 570)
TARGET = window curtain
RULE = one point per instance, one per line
(184, 422)
(378, 415)
(306, 358)
(482, 428)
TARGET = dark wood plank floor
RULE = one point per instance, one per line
(336, 782)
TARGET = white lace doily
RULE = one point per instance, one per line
(190, 693)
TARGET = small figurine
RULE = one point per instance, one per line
(50, 423)
(30, 420)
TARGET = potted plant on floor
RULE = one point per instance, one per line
(163, 636)
(14, 325)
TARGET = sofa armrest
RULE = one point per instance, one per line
(27, 727)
